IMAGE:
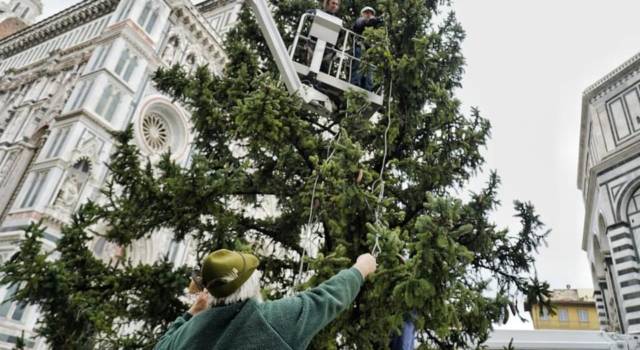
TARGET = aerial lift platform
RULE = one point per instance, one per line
(319, 35)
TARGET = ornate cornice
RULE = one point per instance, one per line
(610, 82)
(191, 18)
(594, 89)
(210, 5)
(60, 61)
(59, 23)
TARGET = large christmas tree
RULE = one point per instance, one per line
(347, 182)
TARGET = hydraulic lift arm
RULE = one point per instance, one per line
(312, 97)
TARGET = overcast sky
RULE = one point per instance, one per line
(527, 65)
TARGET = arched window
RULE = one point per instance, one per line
(633, 209)
(122, 62)
(113, 105)
(144, 15)
(148, 17)
(172, 251)
(10, 309)
(98, 249)
(108, 103)
(131, 67)
(126, 10)
(152, 22)
(104, 100)
(34, 189)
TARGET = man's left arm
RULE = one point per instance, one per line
(359, 25)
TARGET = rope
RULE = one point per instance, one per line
(331, 150)
(376, 250)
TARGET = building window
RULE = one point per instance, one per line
(161, 127)
(155, 132)
(24, 13)
(57, 142)
(144, 15)
(113, 105)
(122, 62)
(103, 56)
(152, 22)
(82, 94)
(126, 65)
(10, 309)
(563, 315)
(100, 51)
(34, 189)
(148, 17)
(126, 10)
(133, 63)
(15, 8)
(104, 100)
(108, 103)
(545, 314)
(98, 249)
(172, 252)
(583, 315)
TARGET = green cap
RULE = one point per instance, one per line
(224, 271)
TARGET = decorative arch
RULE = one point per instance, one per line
(628, 191)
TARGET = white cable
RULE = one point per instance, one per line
(376, 250)
(310, 221)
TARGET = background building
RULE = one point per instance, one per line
(609, 178)
(575, 309)
(69, 80)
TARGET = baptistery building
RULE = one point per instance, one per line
(609, 178)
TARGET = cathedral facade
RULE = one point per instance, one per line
(609, 178)
(66, 83)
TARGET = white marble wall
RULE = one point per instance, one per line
(55, 118)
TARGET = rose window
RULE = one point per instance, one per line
(155, 132)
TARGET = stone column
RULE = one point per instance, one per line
(627, 274)
(601, 305)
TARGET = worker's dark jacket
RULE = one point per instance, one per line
(288, 323)
(362, 23)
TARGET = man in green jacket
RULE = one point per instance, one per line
(238, 319)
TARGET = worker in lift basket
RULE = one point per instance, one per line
(230, 314)
(331, 7)
(359, 77)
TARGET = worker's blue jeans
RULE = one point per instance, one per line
(364, 81)
(406, 340)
